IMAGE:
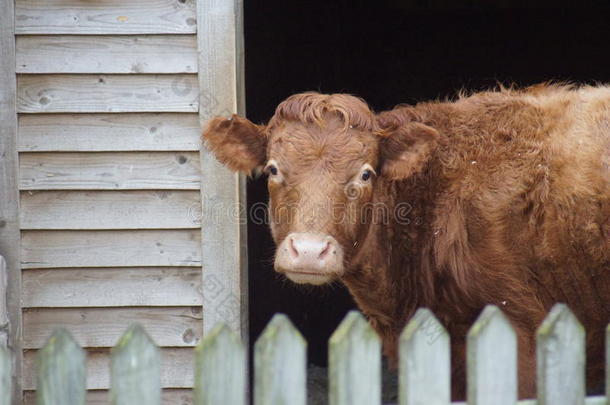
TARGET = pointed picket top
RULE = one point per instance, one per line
(560, 356)
(135, 369)
(280, 364)
(425, 361)
(61, 377)
(5, 376)
(492, 360)
(354, 363)
(220, 369)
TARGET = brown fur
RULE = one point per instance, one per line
(508, 203)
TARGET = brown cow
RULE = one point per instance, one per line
(506, 196)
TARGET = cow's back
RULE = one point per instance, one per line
(523, 218)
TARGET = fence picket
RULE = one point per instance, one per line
(425, 366)
(280, 364)
(492, 360)
(135, 376)
(561, 359)
(61, 374)
(220, 374)
(5, 376)
(354, 363)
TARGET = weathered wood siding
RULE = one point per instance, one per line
(110, 100)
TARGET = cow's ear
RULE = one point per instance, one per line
(236, 142)
(406, 148)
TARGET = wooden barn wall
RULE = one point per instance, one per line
(110, 97)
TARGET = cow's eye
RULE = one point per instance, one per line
(271, 170)
(366, 175)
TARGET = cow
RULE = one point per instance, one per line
(499, 197)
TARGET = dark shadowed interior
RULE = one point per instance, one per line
(391, 52)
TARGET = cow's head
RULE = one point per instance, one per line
(324, 155)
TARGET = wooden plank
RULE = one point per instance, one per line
(169, 396)
(354, 363)
(109, 171)
(48, 249)
(4, 314)
(279, 364)
(109, 132)
(492, 360)
(220, 369)
(105, 17)
(425, 365)
(9, 195)
(560, 359)
(135, 369)
(242, 181)
(102, 327)
(61, 371)
(112, 287)
(110, 209)
(70, 93)
(176, 368)
(107, 54)
(223, 242)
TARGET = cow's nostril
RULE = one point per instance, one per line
(293, 250)
(325, 251)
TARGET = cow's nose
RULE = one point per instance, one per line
(310, 247)
(309, 258)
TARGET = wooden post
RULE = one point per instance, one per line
(223, 241)
(561, 359)
(425, 366)
(354, 363)
(9, 190)
(61, 377)
(4, 320)
(280, 364)
(5, 376)
(135, 376)
(5, 357)
(220, 369)
(492, 360)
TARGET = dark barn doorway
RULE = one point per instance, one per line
(391, 52)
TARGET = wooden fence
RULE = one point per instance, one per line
(354, 365)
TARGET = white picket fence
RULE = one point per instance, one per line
(354, 365)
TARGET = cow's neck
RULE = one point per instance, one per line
(390, 265)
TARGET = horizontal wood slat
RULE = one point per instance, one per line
(107, 93)
(102, 327)
(110, 209)
(107, 54)
(176, 368)
(109, 132)
(112, 287)
(109, 171)
(105, 17)
(169, 396)
(48, 249)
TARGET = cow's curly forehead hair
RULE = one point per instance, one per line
(314, 108)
